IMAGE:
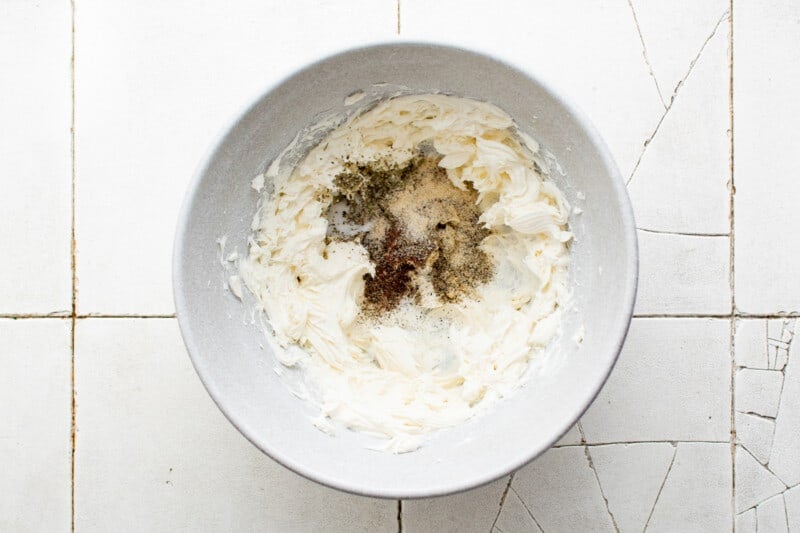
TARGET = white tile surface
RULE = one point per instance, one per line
(772, 516)
(35, 113)
(792, 499)
(697, 493)
(758, 391)
(780, 333)
(671, 383)
(754, 483)
(774, 392)
(573, 436)
(561, 492)
(674, 33)
(35, 406)
(152, 96)
(152, 445)
(515, 516)
(474, 510)
(755, 433)
(632, 476)
(746, 522)
(681, 274)
(751, 343)
(767, 112)
(681, 182)
(608, 79)
(785, 457)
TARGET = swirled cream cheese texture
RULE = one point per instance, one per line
(425, 365)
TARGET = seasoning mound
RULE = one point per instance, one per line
(412, 267)
(420, 231)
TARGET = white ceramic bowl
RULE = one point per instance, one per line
(238, 372)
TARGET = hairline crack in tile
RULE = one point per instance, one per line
(777, 414)
(753, 413)
(644, 54)
(630, 442)
(675, 94)
(661, 488)
(682, 233)
(525, 505)
(596, 477)
(785, 510)
(502, 501)
(768, 469)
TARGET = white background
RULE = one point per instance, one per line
(107, 106)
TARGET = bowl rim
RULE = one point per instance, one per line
(206, 376)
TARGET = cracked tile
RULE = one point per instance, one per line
(35, 113)
(746, 522)
(792, 500)
(148, 111)
(631, 476)
(683, 274)
(675, 370)
(758, 391)
(751, 343)
(767, 52)
(673, 32)
(515, 517)
(608, 79)
(771, 516)
(771, 392)
(754, 483)
(681, 182)
(150, 437)
(35, 425)
(561, 492)
(785, 457)
(755, 433)
(474, 510)
(697, 493)
(780, 333)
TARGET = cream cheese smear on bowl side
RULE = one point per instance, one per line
(413, 266)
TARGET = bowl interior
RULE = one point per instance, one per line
(235, 363)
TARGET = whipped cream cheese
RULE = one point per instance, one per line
(425, 364)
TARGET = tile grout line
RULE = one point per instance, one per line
(103, 315)
(84, 316)
(398, 17)
(399, 516)
(25, 316)
(720, 316)
(73, 267)
(734, 313)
